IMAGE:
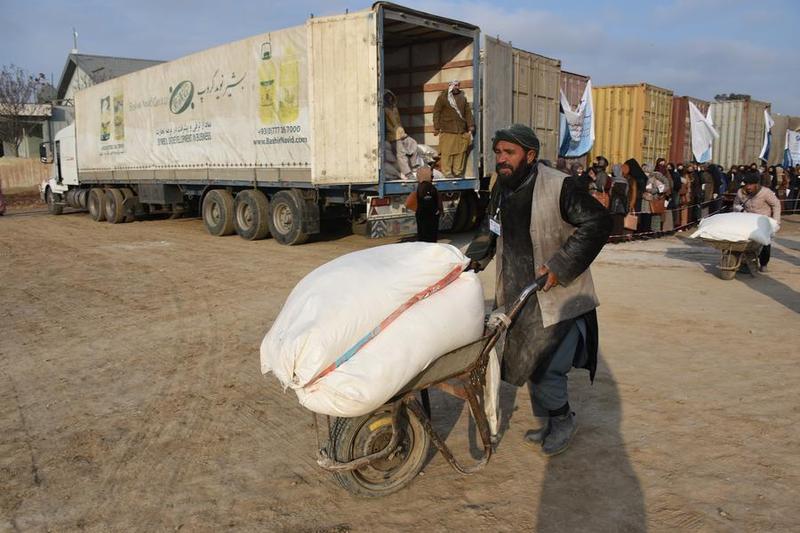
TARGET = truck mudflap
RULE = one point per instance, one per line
(389, 217)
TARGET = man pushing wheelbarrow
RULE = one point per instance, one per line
(540, 222)
(754, 198)
(363, 337)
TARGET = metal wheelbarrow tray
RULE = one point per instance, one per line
(734, 253)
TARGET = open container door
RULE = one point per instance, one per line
(498, 71)
(343, 89)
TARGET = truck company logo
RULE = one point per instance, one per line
(182, 96)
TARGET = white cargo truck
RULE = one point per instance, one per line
(275, 134)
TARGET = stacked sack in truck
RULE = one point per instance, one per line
(737, 227)
(356, 330)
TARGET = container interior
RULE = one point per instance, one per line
(419, 61)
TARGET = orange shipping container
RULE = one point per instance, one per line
(681, 147)
(632, 121)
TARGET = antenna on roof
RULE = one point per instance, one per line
(74, 41)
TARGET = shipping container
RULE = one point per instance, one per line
(681, 146)
(298, 104)
(740, 123)
(782, 123)
(537, 98)
(532, 98)
(573, 86)
(632, 121)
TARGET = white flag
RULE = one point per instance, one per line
(768, 123)
(703, 134)
(791, 151)
(577, 127)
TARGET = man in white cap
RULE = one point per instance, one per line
(453, 123)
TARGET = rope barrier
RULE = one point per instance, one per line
(642, 235)
(650, 234)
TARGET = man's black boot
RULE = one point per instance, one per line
(562, 429)
(537, 436)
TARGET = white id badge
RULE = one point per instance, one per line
(494, 226)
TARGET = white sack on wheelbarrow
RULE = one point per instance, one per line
(338, 303)
(429, 329)
(737, 227)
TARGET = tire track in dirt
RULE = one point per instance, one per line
(142, 453)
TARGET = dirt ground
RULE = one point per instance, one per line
(131, 397)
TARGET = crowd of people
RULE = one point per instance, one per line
(673, 196)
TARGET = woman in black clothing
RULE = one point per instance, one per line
(427, 206)
(618, 203)
(632, 170)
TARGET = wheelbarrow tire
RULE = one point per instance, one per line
(727, 266)
(352, 438)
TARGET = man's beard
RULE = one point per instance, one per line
(514, 180)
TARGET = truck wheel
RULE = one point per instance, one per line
(218, 212)
(472, 210)
(466, 213)
(115, 211)
(352, 438)
(97, 204)
(286, 218)
(52, 207)
(251, 219)
(129, 207)
(83, 198)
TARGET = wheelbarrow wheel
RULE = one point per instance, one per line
(352, 438)
(728, 265)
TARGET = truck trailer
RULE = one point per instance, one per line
(275, 134)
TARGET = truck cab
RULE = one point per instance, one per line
(62, 187)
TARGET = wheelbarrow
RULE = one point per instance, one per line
(734, 254)
(382, 452)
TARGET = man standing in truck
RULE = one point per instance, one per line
(541, 223)
(403, 147)
(453, 123)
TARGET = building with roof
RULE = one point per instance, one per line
(84, 70)
(80, 71)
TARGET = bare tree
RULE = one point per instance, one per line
(18, 90)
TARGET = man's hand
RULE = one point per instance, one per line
(474, 265)
(552, 279)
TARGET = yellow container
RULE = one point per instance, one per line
(267, 85)
(119, 117)
(632, 121)
(289, 101)
(105, 118)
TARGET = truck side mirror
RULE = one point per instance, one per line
(46, 152)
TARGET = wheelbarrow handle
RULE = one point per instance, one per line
(526, 293)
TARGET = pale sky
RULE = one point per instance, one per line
(697, 48)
